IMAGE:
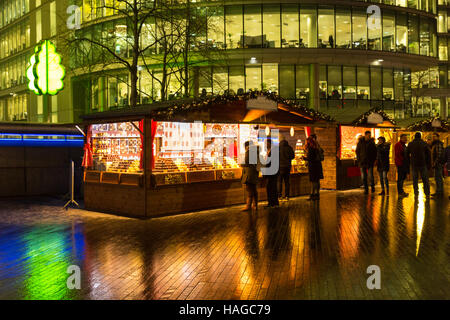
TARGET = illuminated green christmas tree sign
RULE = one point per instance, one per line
(45, 73)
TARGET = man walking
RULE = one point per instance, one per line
(286, 156)
(383, 149)
(402, 164)
(366, 154)
(437, 163)
(419, 153)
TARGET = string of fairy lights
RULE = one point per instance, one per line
(202, 104)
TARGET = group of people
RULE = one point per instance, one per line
(279, 175)
(418, 157)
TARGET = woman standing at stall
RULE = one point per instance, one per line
(250, 175)
(314, 156)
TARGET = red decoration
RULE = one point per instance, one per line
(153, 134)
(141, 160)
(88, 161)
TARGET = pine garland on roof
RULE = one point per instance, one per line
(362, 120)
(426, 125)
(204, 103)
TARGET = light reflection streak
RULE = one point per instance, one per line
(420, 218)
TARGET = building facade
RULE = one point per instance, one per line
(340, 57)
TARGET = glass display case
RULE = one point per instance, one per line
(116, 147)
(350, 136)
(195, 152)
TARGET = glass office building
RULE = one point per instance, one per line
(330, 56)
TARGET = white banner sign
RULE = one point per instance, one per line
(262, 103)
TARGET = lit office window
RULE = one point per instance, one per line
(363, 81)
(375, 83)
(388, 32)
(253, 78)
(290, 26)
(308, 26)
(234, 26)
(343, 29)
(216, 28)
(398, 85)
(326, 28)
(401, 33)
(205, 82)
(271, 26)
(220, 80)
(252, 37)
(349, 77)
(287, 81)
(413, 34)
(424, 37)
(334, 82)
(302, 82)
(442, 21)
(375, 36)
(270, 77)
(359, 18)
(237, 80)
(443, 49)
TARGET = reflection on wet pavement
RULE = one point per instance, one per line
(303, 250)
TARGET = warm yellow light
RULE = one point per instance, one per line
(292, 131)
(267, 131)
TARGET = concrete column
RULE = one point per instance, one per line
(314, 99)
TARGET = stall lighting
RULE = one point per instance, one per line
(267, 131)
(292, 131)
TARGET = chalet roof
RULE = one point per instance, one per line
(425, 125)
(217, 108)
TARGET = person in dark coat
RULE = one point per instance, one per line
(437, 163)
(383, 150)
(402, 163)
(419, 154)
(287, 154)
(271, 175)
(313, 156)
(250, 175)
(366, 154)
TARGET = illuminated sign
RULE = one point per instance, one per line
(45, 73)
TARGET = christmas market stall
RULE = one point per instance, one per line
(427, 127)
(169, 158)
(379, 124)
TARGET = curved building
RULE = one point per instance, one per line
(340, 57)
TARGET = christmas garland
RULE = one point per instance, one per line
(426, 125)
(202, 104)
(362, 120)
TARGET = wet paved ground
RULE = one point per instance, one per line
(302, 250)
